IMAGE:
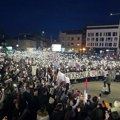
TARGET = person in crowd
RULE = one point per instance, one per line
(42, 114)
(2, 98)
(108, 82)
(5, 118)
(98, 113)
(115, 110)
(58, 113)
(81, 113)
(51, 106)
(39, 96)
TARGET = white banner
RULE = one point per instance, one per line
(34, 70)
(84, 74)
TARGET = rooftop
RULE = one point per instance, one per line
(73, 31)
(102, 26)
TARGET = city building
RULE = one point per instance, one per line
(21, 44)
(3, 36)
(71, 40)
(103, 38)
(25, 41)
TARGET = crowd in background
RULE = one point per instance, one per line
(29, 87)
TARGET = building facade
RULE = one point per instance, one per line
(105, 37)
(22, 44)
(71, 40)
(25, 41)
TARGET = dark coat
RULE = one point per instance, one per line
(108, 79)
(97, 114)
(58, 115)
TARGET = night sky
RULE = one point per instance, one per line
(53, 16)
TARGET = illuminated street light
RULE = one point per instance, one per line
(43, 32)
(114, 14)
(17, 45)
(111, 14)
(84, 49)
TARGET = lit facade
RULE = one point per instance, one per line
(105, 36)
(71, 39)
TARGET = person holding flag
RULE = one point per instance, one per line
(86, 91)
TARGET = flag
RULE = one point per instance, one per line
(86, 91)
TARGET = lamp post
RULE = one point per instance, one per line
(42, 40)
(116, 14)
(17, 45)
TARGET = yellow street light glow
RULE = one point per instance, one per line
(84, 49)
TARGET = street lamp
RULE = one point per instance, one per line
(107, 50)
(41, 40)
(17, 45)
(113, 14)
(84, 49)
(43, 32)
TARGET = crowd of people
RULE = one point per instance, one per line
(30, 88)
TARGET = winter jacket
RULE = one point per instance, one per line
(2, 100)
